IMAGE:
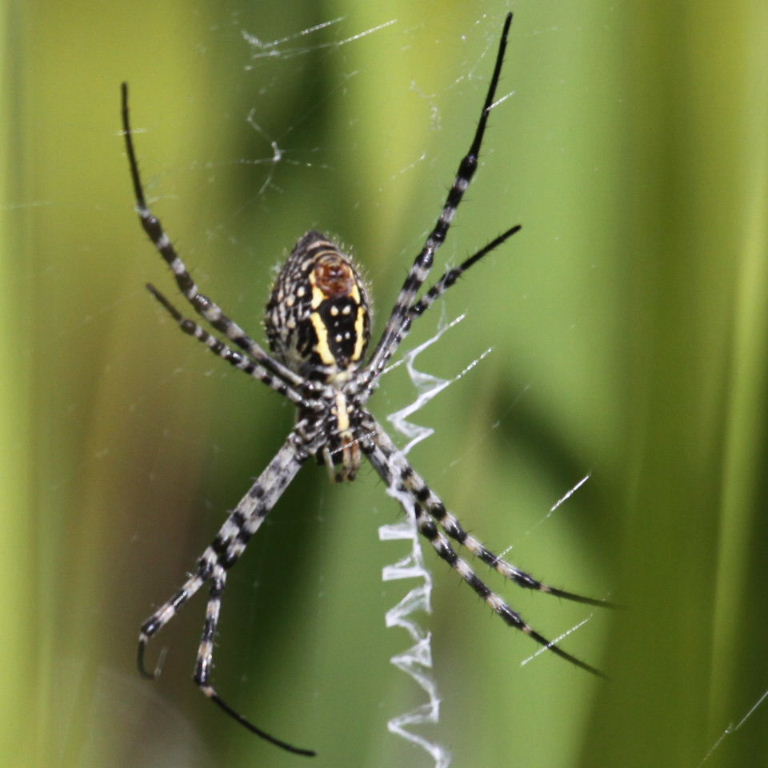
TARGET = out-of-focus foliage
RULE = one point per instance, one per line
(628, 325)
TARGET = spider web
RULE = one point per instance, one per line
(733, 727)
(284, 153)
(137, 439)
(416, 661)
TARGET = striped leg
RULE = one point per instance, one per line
(202, 304)
(239, 360)
(204, 665)
(425, 260)
(443, 548)
(451, 525)
(397, 472)
(221, 555)
(168, 610)
(448, 279)
(431, 503)
(451, 276)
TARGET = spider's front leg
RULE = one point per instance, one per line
(220, 556)
(400, 316)
(305, 397)
(202, 304)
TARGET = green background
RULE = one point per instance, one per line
(628, 326)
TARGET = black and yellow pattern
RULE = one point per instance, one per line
(318, 319)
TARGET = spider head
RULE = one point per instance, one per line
(319, 315)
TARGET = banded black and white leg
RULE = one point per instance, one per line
(225, 550)
(306, 399)
(423, 263)
(204, 664)
(434, 521)
(201, 303)
(450, 277)
(447, 280)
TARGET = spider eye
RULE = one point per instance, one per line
(318, 316)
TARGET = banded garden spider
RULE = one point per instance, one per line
(318, 327)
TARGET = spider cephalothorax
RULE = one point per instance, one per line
(318, 326)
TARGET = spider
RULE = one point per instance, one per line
(318, 323)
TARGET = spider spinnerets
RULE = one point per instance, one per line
(318, 324)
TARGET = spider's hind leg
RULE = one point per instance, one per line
(169, 609)
(223, 552)
(204, 665)
(398, 474)
(428, 528)
(451, 525)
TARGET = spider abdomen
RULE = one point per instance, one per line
(319, 316)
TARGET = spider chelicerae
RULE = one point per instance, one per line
(318, 322)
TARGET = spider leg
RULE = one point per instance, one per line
(223, 552)
(451, 525)
(431, 502)
(435, 292)
(442, 546)
(425, 260)
(202, 304)
(397, 473)
(240, 360)
(204, 664)
(450, 277)
(168, 610)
